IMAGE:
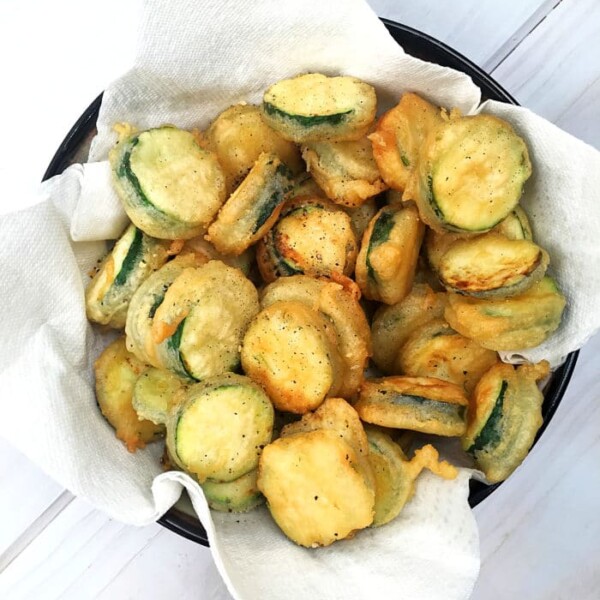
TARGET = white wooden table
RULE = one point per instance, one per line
(540, 533)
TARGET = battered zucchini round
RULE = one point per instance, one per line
(398, 136)
(435, 350)
(312, 236)
(471, 172)
(170, 187)
(239, 135)
(133, 258)
(199, 245)
(155, 392)
(313, 488)
(238, 496)
(342, 309)
(395, 475)
(516, 226)
(417, 403)
(220, 428)
(389, 252)
(315, 108)
(392, 325)
(253, 208)
(514, 323)
(345, 171)
(291, 350)
(492, 266)
(361, 216)
(116, 372)
(504, 417)
(199, 326)
(145, 302)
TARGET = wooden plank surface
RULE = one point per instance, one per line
(539, 532)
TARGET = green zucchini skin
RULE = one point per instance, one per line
(244, 415)
(132, 260)
(169, 186)
(380, 234)
(238, 496)
(253, 208)
(504, 417)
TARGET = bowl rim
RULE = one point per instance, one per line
(428, 48)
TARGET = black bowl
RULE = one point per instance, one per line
(422, 46)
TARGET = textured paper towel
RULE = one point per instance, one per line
(194, 60)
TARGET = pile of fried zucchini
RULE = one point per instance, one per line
(305, 291)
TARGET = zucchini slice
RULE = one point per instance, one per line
(335, 414)
(133, 258)
(305, 185)
(387, 261)
(345, 171)
(253, 208)
(312, 236)
(239, 135)
(314, 490)
(199, 326)
(417, 403)
(145, 302)
(238, 496)
(436, 245)
(514, 323)
(435, 350)
(314, 108)
(291, 350)
(492, 266)
(392, 325)
(516, 226)
(471, 172)
(155, 392)
(399, 135)
(395, 475)
(116, 372)
(220, 428)
(170, 187)
(360, 216)
(504, 416)
(244, 262)
(341, 307)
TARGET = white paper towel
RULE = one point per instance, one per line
(195, 59)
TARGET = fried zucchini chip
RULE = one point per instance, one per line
(199, 245)
(342, 309)
(316, 108)
(387, 261)
(345, 171)
(436, 245)
(335, 414)
(470, 174)
(398, 136)
(239, 135)
(133, 258)
(253, 208)
(417, 403)
(219, 429)
(145, 302)
(312, 236)
(170, 187)
(238, 496)
(516, 226)
(435, 350)
(291, 350)
(314, 489)
(155, 392)
(395, 475)
(503, 418)
(514, 323)
(392, 325)
(116, 372)
(200, 324)
(361, 216)
(492, 266)
(305, 185)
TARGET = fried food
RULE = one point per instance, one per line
(503, 418)
(116, 372)
(155, 392)
(387, 261)
(417, 403)
(345, 171)
(514, 323)
(238, 496)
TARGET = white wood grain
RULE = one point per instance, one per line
(483, 30)
(556, 70)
